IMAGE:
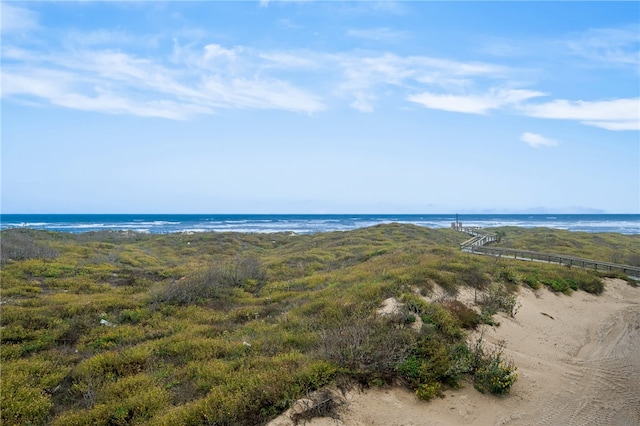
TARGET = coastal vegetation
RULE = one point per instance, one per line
(114, 328)
(604, 246)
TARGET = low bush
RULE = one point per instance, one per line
(590, 283)
(433, 363)
(467, 317)
(498, 299)
(23, 404)
(23, 244)
(136, 407)
(444, 321)
(27, 385)
(214, 282)
(508, 275)
(258, 321)
(490, 369)
(366, 348)
(565, 281)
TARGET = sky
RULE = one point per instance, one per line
(320, 107)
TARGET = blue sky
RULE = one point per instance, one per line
(320, 107)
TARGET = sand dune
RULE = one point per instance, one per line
(578, 360)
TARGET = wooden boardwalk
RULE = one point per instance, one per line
(479, 237)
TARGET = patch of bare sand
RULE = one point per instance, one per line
(578, 360)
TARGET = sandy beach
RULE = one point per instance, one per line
(578, 360)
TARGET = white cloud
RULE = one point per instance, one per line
(463, 68)
(57, 90)
(378, 34)
(535, 140)
(261, 94)
(363, 102)
(455, 103)
(285, 60)
(17, 19)
(615, 125)
(389, 7)
(617, 114)
(365, 76)
(204, 77)
(212, 51)
(609, 46)
(199, 82)
(474, 104)
(16, 53)
(99, 37)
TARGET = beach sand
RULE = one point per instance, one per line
(578, 360)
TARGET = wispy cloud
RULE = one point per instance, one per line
(286, 60)
(58, 90)
(117, 72)
(98, 70)
(109, 39)
(16, 19)
(616, 114)
(474, 104)
(378, 34)
(365, 76)
(609, 46)
(208, 76)
(363, 101)
(536, 141)
(197, 82)
(266, 3)
(389, 7)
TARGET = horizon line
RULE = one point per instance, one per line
(326, 214)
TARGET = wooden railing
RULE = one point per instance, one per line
(559, 259)
(476, 245)
(478, 238)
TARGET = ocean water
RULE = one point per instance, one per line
(307, 224)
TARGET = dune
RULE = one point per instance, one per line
(578, 360)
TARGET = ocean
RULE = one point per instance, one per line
(309, 223)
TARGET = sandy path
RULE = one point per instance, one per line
(578, 359)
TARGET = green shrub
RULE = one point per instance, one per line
(444, 321)
(432, 363)
(365, 347)
(448, 282)
(467, 317)
(239, 339)
(23, 244)
(214, 282)
(508, 275)
(565, 280)
(532, 281)
(91, 373)
(473, 277)
(26, 389)
(498, 299)
(490, 370)
(415, 304)
(496, 376)
(135, 408)
(560, 285)
(23, 404)
(591, 284)
(428, 391)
